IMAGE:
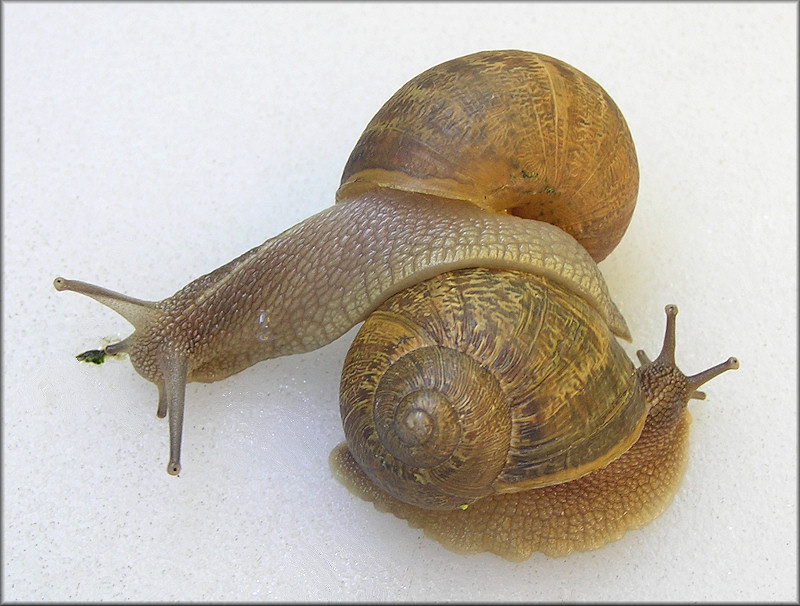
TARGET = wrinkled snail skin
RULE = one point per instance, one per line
(311, 284)
(486, 398)
(578, 515)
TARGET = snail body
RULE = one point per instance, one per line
(490, 331)
(259, 306)
(565, 470)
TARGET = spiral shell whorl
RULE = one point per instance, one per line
(446, 450)
(420, 439)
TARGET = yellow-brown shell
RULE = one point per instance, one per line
(510, 131)
(484, 381)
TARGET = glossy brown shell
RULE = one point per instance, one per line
(440, 410)
(510, 131)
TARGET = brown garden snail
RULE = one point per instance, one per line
(485, 398)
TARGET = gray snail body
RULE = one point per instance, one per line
(235, 316)
(400, 229)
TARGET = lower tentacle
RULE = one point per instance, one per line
(174, 369)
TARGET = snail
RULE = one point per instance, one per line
(485, 397)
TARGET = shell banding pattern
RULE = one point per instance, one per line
(510, 131)
(453, 389)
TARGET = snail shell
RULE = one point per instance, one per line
(485, 381)
(510, 131)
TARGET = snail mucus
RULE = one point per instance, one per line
(485, 398)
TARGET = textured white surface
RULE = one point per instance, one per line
(146, 144)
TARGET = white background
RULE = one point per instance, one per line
(146, 144)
